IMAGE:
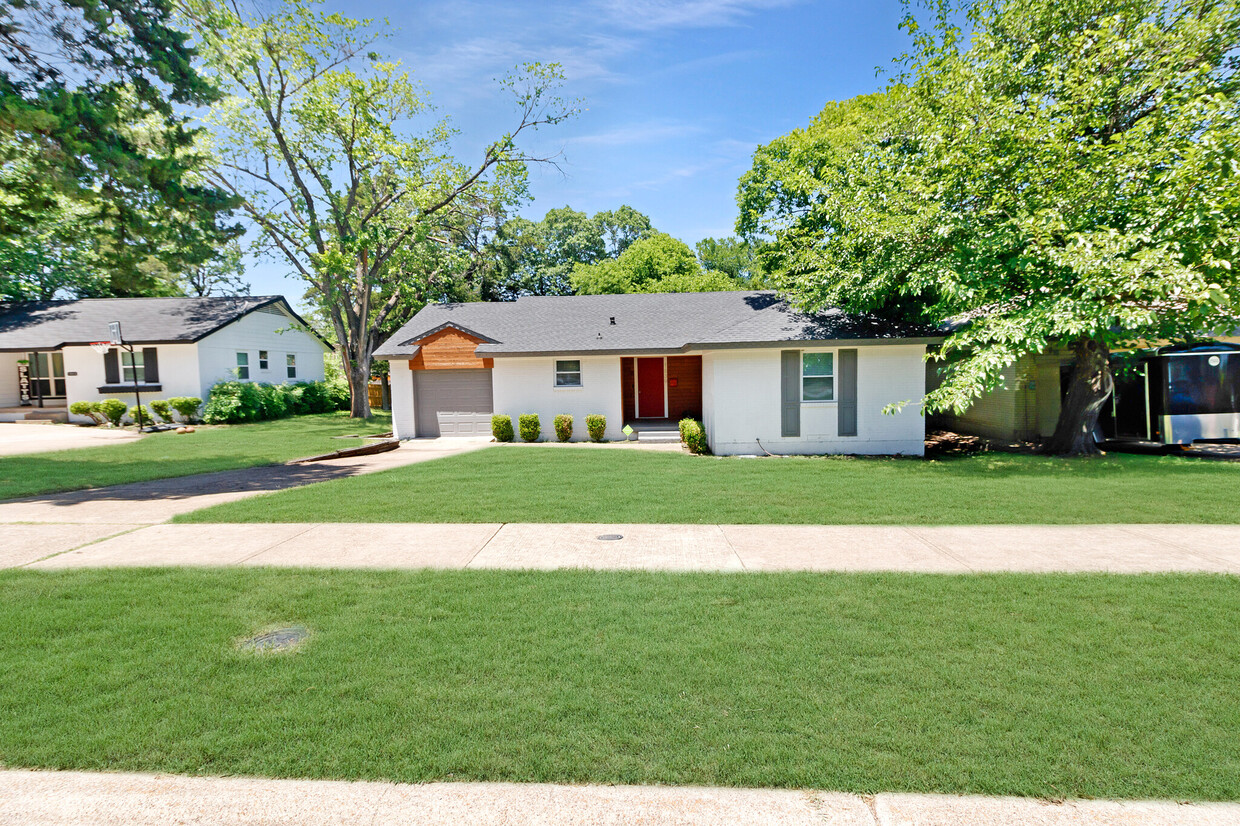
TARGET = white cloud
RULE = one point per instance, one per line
(636, 133)
(668, 14)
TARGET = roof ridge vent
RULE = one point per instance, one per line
(613, 321)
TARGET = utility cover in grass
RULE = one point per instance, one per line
(281, 639)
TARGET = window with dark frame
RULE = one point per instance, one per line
(132, 368)
(262, 359)
(817, 377)
(243, 365)
(290, 362)
(568, 373)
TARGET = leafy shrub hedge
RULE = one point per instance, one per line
(233, 402)
(530, 428)
(596, 426)
(162, 409)
(564, 427)
(140, 416)
(186, 406)
(88, 409)
(113, 410)
(693, 436)
(501, 428)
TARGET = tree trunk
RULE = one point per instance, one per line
(359, 392)
(1089, 388)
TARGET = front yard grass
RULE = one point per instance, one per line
(1045, 686)
(554, 484)
(168, 454)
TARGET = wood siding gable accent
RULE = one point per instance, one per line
(847, 393)
(790, 385)
(449, 349)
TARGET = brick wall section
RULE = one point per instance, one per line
(449, 349)
(686, 396)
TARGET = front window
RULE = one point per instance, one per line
(131, 367)
(243, 365)
(290, 362)
(568, 373)
(817, 377)
(262, 359)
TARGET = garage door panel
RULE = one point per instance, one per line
(453, 402)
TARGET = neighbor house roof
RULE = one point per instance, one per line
(643, 323)
(50, 325)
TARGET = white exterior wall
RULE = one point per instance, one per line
(10, 393)
(527, 385)
(404, 416)
(277, 334)
(741, 397)
(84, 375)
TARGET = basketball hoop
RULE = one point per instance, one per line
(100, 346)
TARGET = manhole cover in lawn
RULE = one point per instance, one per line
(611, 537)
(281, 639)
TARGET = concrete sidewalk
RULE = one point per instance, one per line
(34, 798)
(941, 549)
(160, 499)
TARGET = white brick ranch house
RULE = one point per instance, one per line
(761, 376)
(182, 346)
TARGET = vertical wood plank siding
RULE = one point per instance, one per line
(449, 349)
(686, 397)
(627, 402)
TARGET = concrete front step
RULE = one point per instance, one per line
(658, 436)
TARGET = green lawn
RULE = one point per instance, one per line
(1048, 686)
(162, 455)
(552, 484)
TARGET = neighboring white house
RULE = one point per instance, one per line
(182, 346)
(761, 376)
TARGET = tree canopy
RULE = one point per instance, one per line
(93, 137)
(1064, 174)
(657, 263)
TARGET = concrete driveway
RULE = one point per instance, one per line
(28, 437)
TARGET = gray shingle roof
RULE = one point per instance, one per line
(654, 322)
(49, 325)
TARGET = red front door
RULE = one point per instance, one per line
(650, 398)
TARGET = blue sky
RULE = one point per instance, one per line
(675, 95)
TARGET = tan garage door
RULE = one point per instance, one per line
(453, 402)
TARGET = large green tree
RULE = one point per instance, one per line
(1064, 174)
(330, 149)
(657, 263)
(93, 135)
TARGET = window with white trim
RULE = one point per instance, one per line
(568, 373)
(290, 362)
(243, 365)
(262, 359)
(132, 368)
(817, 377)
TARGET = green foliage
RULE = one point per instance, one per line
(113, 410)
(90, 409)
(733, 257)
(1063, 174)
(234, 402)
(564, 427)
(276, 400)
(139, 415)
(163, 409)
(316, 397)
(529, 426)
(186, 406)
(596, 426)
(501, 428)
(96, 148)
(657, 263)
(693, 436)
(538, 257)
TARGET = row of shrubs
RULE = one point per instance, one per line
(531, 429)
(234, 402)
(113, 411)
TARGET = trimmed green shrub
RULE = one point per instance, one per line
(596, 426)
(232, 402)
(337, 394)
(87, 409)
(186, 406)
(140, 415)
(564, 427)
(273, 401)
(530, 428)
(693, 436)
(501, 428)
(162, 409)
(311, 397)
(113, 410)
